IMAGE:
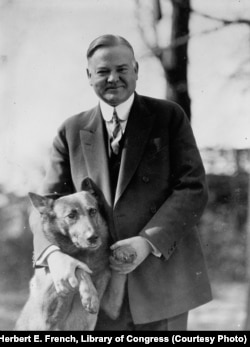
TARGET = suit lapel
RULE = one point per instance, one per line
(137, 132)
(95, 153)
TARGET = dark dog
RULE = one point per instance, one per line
(75, 223)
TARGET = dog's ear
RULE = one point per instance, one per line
(89, 186)
(41, 203)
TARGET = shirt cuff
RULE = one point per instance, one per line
(155, 251)
(42, 260)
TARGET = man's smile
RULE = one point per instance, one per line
(114, 87)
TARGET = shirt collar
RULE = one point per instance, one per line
(122, 109)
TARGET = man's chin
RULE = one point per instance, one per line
(114, 99)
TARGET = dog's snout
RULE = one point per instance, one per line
(92, 239)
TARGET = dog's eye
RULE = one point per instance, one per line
(92, 212)
(72, 215)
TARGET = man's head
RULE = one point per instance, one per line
(112, 68)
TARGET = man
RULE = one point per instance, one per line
(148, 167)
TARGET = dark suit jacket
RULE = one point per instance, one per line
(161, 194)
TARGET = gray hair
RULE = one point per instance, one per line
(107, 41)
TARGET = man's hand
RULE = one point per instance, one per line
(142, 248)
(63, 271)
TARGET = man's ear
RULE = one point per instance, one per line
(136, 67)
(41, 203)
(89, 76)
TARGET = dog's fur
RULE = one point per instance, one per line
(76, 224)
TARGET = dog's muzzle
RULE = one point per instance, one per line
(94, 241)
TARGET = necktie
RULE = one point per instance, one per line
(116, 132)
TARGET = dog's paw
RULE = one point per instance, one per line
(88, 293)
(90, 303)
(124, 254)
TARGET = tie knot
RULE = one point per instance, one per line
(115, 116)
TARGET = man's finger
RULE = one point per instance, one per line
(62, 289)
(84, 267)
(119, 244)
(73, 282)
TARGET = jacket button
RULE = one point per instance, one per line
(153, 209)
(145, 179)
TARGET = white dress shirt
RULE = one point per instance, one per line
(122, 111)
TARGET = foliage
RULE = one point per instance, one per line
(15, 241)
(223, 227)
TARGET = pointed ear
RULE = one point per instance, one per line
(41, 203)
(89, 186)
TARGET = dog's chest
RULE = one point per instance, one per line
(97, 261)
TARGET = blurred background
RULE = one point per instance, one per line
(196, 52)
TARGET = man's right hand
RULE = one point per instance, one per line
(63, 271)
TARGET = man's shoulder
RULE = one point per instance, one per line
(166, 114)
(159, 104)
(79, 120)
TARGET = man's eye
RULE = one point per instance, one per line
(123, 70)
(102, 72)
(92, 212)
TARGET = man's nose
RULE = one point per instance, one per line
(113, 77)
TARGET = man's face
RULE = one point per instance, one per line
(113, 72)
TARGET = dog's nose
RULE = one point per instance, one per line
(92, 239)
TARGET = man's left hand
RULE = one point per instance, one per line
(142, 248)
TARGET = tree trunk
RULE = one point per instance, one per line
(175, 57)
(247, 323)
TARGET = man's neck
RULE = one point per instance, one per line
(122, 109)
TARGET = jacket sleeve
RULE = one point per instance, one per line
(58, 174)
(181, 211)
(57, 181)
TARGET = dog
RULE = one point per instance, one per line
(77, 225)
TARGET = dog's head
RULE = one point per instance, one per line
(73, 222)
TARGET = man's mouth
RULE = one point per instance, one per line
(114, 87)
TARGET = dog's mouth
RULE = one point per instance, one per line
(94, 246)
(90, 245)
